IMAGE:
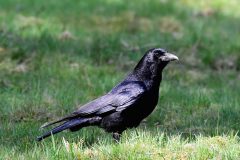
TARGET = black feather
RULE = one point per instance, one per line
(73, 124)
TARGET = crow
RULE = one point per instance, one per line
(126, 105)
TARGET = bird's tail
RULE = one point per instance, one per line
(56, 121)
(73, 125)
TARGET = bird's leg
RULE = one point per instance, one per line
(116, 136)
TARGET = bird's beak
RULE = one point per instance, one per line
(169, 57)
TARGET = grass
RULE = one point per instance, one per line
(57, 55)
(137, 145)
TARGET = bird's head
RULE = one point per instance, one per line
(157, 58)
(152, 64)
(160, 56)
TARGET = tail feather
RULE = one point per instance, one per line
(54, 122)
(62, 127)
(74, 123)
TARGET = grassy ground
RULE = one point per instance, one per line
(55, 55)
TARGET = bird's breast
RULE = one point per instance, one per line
(144, 107)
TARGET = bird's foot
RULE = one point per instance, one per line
(116, 137)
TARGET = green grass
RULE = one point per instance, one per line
(135, 145)
(57, 55)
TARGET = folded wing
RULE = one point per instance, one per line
(123, 95)
(119, 98)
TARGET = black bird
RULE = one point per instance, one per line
(127, 104)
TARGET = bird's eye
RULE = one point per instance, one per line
(155, 56)
(159, 51)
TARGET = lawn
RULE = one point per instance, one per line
(55, 55)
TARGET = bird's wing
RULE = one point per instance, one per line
(119, 98)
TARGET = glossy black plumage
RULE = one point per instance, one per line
(127, 104)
